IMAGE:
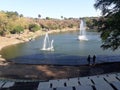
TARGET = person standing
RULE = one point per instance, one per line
(94, 59)
(88, 59)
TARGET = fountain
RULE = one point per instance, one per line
(82, 34)
(47, 44)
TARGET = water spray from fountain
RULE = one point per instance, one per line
(47, 44)
(82, 33)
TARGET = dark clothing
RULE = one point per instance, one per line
(94, 59)
(88, 59)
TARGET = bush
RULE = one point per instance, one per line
(3, 33)
(17, 29)
(34, 27)
(71, 26)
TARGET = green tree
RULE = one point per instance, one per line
(39, 16)
(4, 24)
(12, 14)
(61, 17)
(18, 30)
(21, 15)
(34, 27)
(48, 18)
(109, 24)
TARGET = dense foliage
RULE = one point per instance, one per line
(12, 22)
(15, 23)
(109, 24)
(53, 24)
(17, 29)
(34, 27)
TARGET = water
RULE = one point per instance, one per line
(68, 50)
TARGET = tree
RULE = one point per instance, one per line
(18, 30)
(109, 24)
(4, 24)
(48, 18)
(21, 15)
(108, 7)
(61, 17)
(39, 16)
(12, 14)
(34, 27)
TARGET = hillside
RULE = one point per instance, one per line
(14, 23)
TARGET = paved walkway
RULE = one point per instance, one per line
(98, 82)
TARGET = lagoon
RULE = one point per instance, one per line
(68, 50)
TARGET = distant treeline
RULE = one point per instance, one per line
(15, 23)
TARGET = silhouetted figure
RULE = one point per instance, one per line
(88, 59)
(94, 59)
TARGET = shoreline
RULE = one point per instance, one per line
(26, 36)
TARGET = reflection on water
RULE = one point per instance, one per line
(66, 46)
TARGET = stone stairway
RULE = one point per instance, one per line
(97, 82)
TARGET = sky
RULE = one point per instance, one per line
(51, 8)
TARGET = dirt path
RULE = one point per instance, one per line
(46, 72)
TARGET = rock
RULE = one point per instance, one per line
(3, 63)
(2, 59)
